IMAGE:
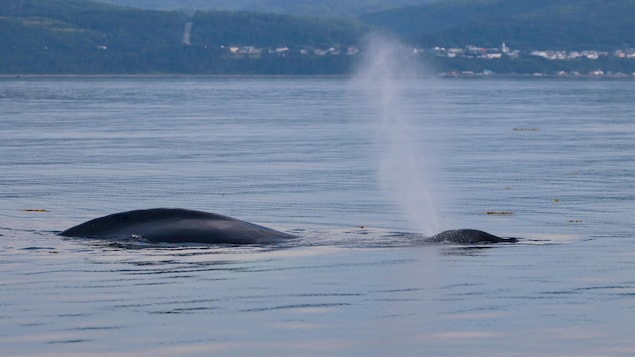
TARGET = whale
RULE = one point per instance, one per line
(468, 236)
(175, 225)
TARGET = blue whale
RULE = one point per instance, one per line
(468, 236)
(175, 225)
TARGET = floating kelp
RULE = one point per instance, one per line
(499, 213)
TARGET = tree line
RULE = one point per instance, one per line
(86, 37)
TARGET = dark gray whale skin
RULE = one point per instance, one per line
(175, 225)
(468, 236)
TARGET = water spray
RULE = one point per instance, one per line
(385, 76)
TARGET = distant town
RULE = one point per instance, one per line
(484, 53)
(495, 53)
(467, 53)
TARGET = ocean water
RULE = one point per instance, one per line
(547, 160)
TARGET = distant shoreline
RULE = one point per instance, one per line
(162, 75)
(438, 75)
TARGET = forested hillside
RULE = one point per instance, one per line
(311, 8)
(265, 30)
(541, 36)
(80, 36)
(535, 24)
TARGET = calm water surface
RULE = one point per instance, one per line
(303, 155)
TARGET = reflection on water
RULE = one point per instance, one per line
(77, 296)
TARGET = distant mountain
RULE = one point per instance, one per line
(526, 24)
(313, 8)
(82, 36)
(243, 28)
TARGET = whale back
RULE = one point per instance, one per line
(111, 223)
(468, 236)
(175, 225)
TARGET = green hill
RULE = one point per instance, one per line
(536, 24)
(77, 36)
(89, 37)
(271, 30)
(81, 36)
(305, 8)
